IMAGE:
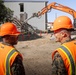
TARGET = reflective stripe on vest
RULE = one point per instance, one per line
(7, 62)
(68, 54)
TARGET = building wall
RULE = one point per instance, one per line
(30, 8)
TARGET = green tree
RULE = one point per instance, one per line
(6, 14)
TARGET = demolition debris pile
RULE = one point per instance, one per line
(28, 32)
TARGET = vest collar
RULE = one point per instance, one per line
(7, 44)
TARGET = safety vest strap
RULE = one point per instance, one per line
(70, 59)
(7, 63)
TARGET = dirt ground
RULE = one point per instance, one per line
(37, 54)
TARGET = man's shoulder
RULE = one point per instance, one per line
(58, 67)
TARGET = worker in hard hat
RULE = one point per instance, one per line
(64, 57)
(10, 58)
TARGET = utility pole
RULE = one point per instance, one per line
(55, 15)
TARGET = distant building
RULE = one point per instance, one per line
(24, 9)
(49, 25)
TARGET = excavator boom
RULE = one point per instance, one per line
(57, 6)
(60, 7)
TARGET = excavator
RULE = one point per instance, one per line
(57, 6)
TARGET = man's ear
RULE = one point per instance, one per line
(63, 34)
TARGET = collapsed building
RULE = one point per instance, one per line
(27, 31)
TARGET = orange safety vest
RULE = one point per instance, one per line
(7, 57)
(68, 54)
